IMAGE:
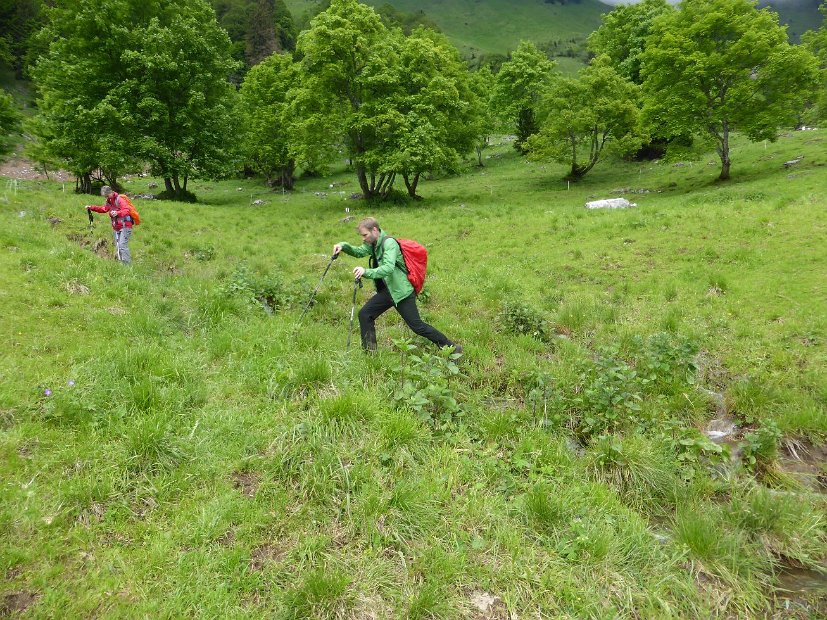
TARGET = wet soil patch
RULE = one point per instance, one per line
(99, 245)
(17, 602)
(801, 593)
(805, 462)
(264, 555)
(246, 482)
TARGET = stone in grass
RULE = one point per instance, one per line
(610, 203)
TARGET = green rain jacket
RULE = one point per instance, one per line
(390, 265)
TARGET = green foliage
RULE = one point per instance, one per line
(518, 317)
(695, 452)
(609, 397)
(622, 35)
(150, 85)
(521, 84)
(664, 360)
(442, 113)
(428, 382)
(713, 67)
(583, 116)
(9, 121)
(816, 42)
(268, 292)
(267, 120)
(759, 448)
(394, 18)
(20, 19)
(257, 28)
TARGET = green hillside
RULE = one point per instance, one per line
(174, 442)
(497, 26)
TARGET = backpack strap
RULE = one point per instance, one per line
(404, 266)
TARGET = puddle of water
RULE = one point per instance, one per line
(721, 428)
(794, 582)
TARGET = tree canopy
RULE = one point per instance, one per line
(585, 115)
(816, 42)
(522, 82)
(126, 82)
(267, 118)
(9, 121)
(623, 33)
(716, 66)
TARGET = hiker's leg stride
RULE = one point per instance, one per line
(410, 313)
(372, 310)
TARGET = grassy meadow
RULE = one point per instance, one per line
(174, 442)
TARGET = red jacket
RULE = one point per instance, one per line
(119, 215)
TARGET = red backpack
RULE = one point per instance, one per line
(133, 212)
(416, 262)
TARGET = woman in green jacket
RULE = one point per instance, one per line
(387, 270)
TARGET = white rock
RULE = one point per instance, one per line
(610, 203)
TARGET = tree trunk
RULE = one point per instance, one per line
(361, 174)
(386, 184)
(83, 184)
(723, 152)
(168, 186)
(287, 179)
(411, 185)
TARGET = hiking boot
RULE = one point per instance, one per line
(369, 342)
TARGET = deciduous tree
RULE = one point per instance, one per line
(623, 32)
(9, 121)
(267, 119)
(127, 81)
(521, 83)
(816, 42)
(440, 111)
(717, 66)
(586, 115)
(349, 77)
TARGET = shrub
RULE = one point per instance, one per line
(520, 318)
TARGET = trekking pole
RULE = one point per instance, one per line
(316, 290)
(356, 284)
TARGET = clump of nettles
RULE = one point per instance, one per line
(520, 318)
(269, 292)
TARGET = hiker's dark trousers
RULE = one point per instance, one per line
(380, 303)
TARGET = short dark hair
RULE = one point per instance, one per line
(368, 224)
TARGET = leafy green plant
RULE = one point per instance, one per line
(760, 447)
(695, 451)
(425, 381)
(609, 395)
(519, 318)
(269, 292)
(666, 360)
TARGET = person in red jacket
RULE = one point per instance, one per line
(121, 221)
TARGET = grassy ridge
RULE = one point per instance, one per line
(197, 455)
(497, 26)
